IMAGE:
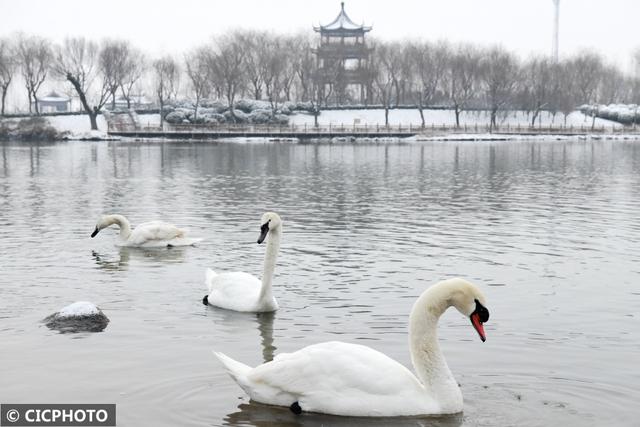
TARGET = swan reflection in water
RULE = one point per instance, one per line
(259, 415)
(239, 323)
(126, 254)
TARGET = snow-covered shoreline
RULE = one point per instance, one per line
(473, 123)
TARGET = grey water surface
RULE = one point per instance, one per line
(549, 230)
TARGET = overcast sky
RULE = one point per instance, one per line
(525, 26)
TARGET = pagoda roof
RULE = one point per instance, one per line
(342, 23)
(54, 97)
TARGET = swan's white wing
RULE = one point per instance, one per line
(342, 379)
(208, 280)
(234, 291)
(155, 232)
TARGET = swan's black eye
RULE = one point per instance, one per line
(483, 313)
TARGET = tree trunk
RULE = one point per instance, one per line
(92, 112)
(457, 111)
(397, 86)
(492, 123)
(30, 101)
(35, 102)
(421, 110)
(4, 97)
(161, 114)
(113, 99)
(535, 116)
(93, 117)
(386, 115)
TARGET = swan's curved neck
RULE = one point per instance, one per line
(273, 246)
(123, 223)
(428, 361)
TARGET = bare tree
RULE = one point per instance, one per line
(587, 68)
(500, 75)
(77, 61)
(304, 64)
(34, 55)
(385, 66)
(564, 95)
(275, 66)
(166, 75)
(196, 64)
(134, 68)
(7, 69)
(461, 78)
(255, 45)
(291, 48)
(227, 65)
(428, 64)
(113, 61)
(613, 85)
(538, 82)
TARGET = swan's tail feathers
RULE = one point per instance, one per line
(209, 276)
(237, 370)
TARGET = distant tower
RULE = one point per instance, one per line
(556, 30)
(343, 60)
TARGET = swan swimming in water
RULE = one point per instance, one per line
(354, 380)
(240, 291)
(153, 234)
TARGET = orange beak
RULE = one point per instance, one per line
(477, 324)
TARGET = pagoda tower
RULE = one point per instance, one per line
(342, 61)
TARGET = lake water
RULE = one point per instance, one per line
(549, 230)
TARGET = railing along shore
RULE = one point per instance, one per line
(369, 129)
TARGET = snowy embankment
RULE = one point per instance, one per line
(447, 118)
(77, 126)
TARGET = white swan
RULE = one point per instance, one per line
(354, 380)
(147, 235)
(240, 291)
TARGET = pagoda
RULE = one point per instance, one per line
(342, 61)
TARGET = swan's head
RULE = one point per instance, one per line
(469, 300)
(270, 222)
(103, 222)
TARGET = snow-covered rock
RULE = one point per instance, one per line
(176, 117)
(260, 116)
(77, 309)
(238, 116)
(249, 105)
(215, 105)
(81, 316)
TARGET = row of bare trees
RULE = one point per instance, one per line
(96, 71)
(277, 68)
(465, 77)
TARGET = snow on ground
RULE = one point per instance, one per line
(76, 123)
(405, 117)
(79, 126)
(149, 120)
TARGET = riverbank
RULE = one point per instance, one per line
(344, 126)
